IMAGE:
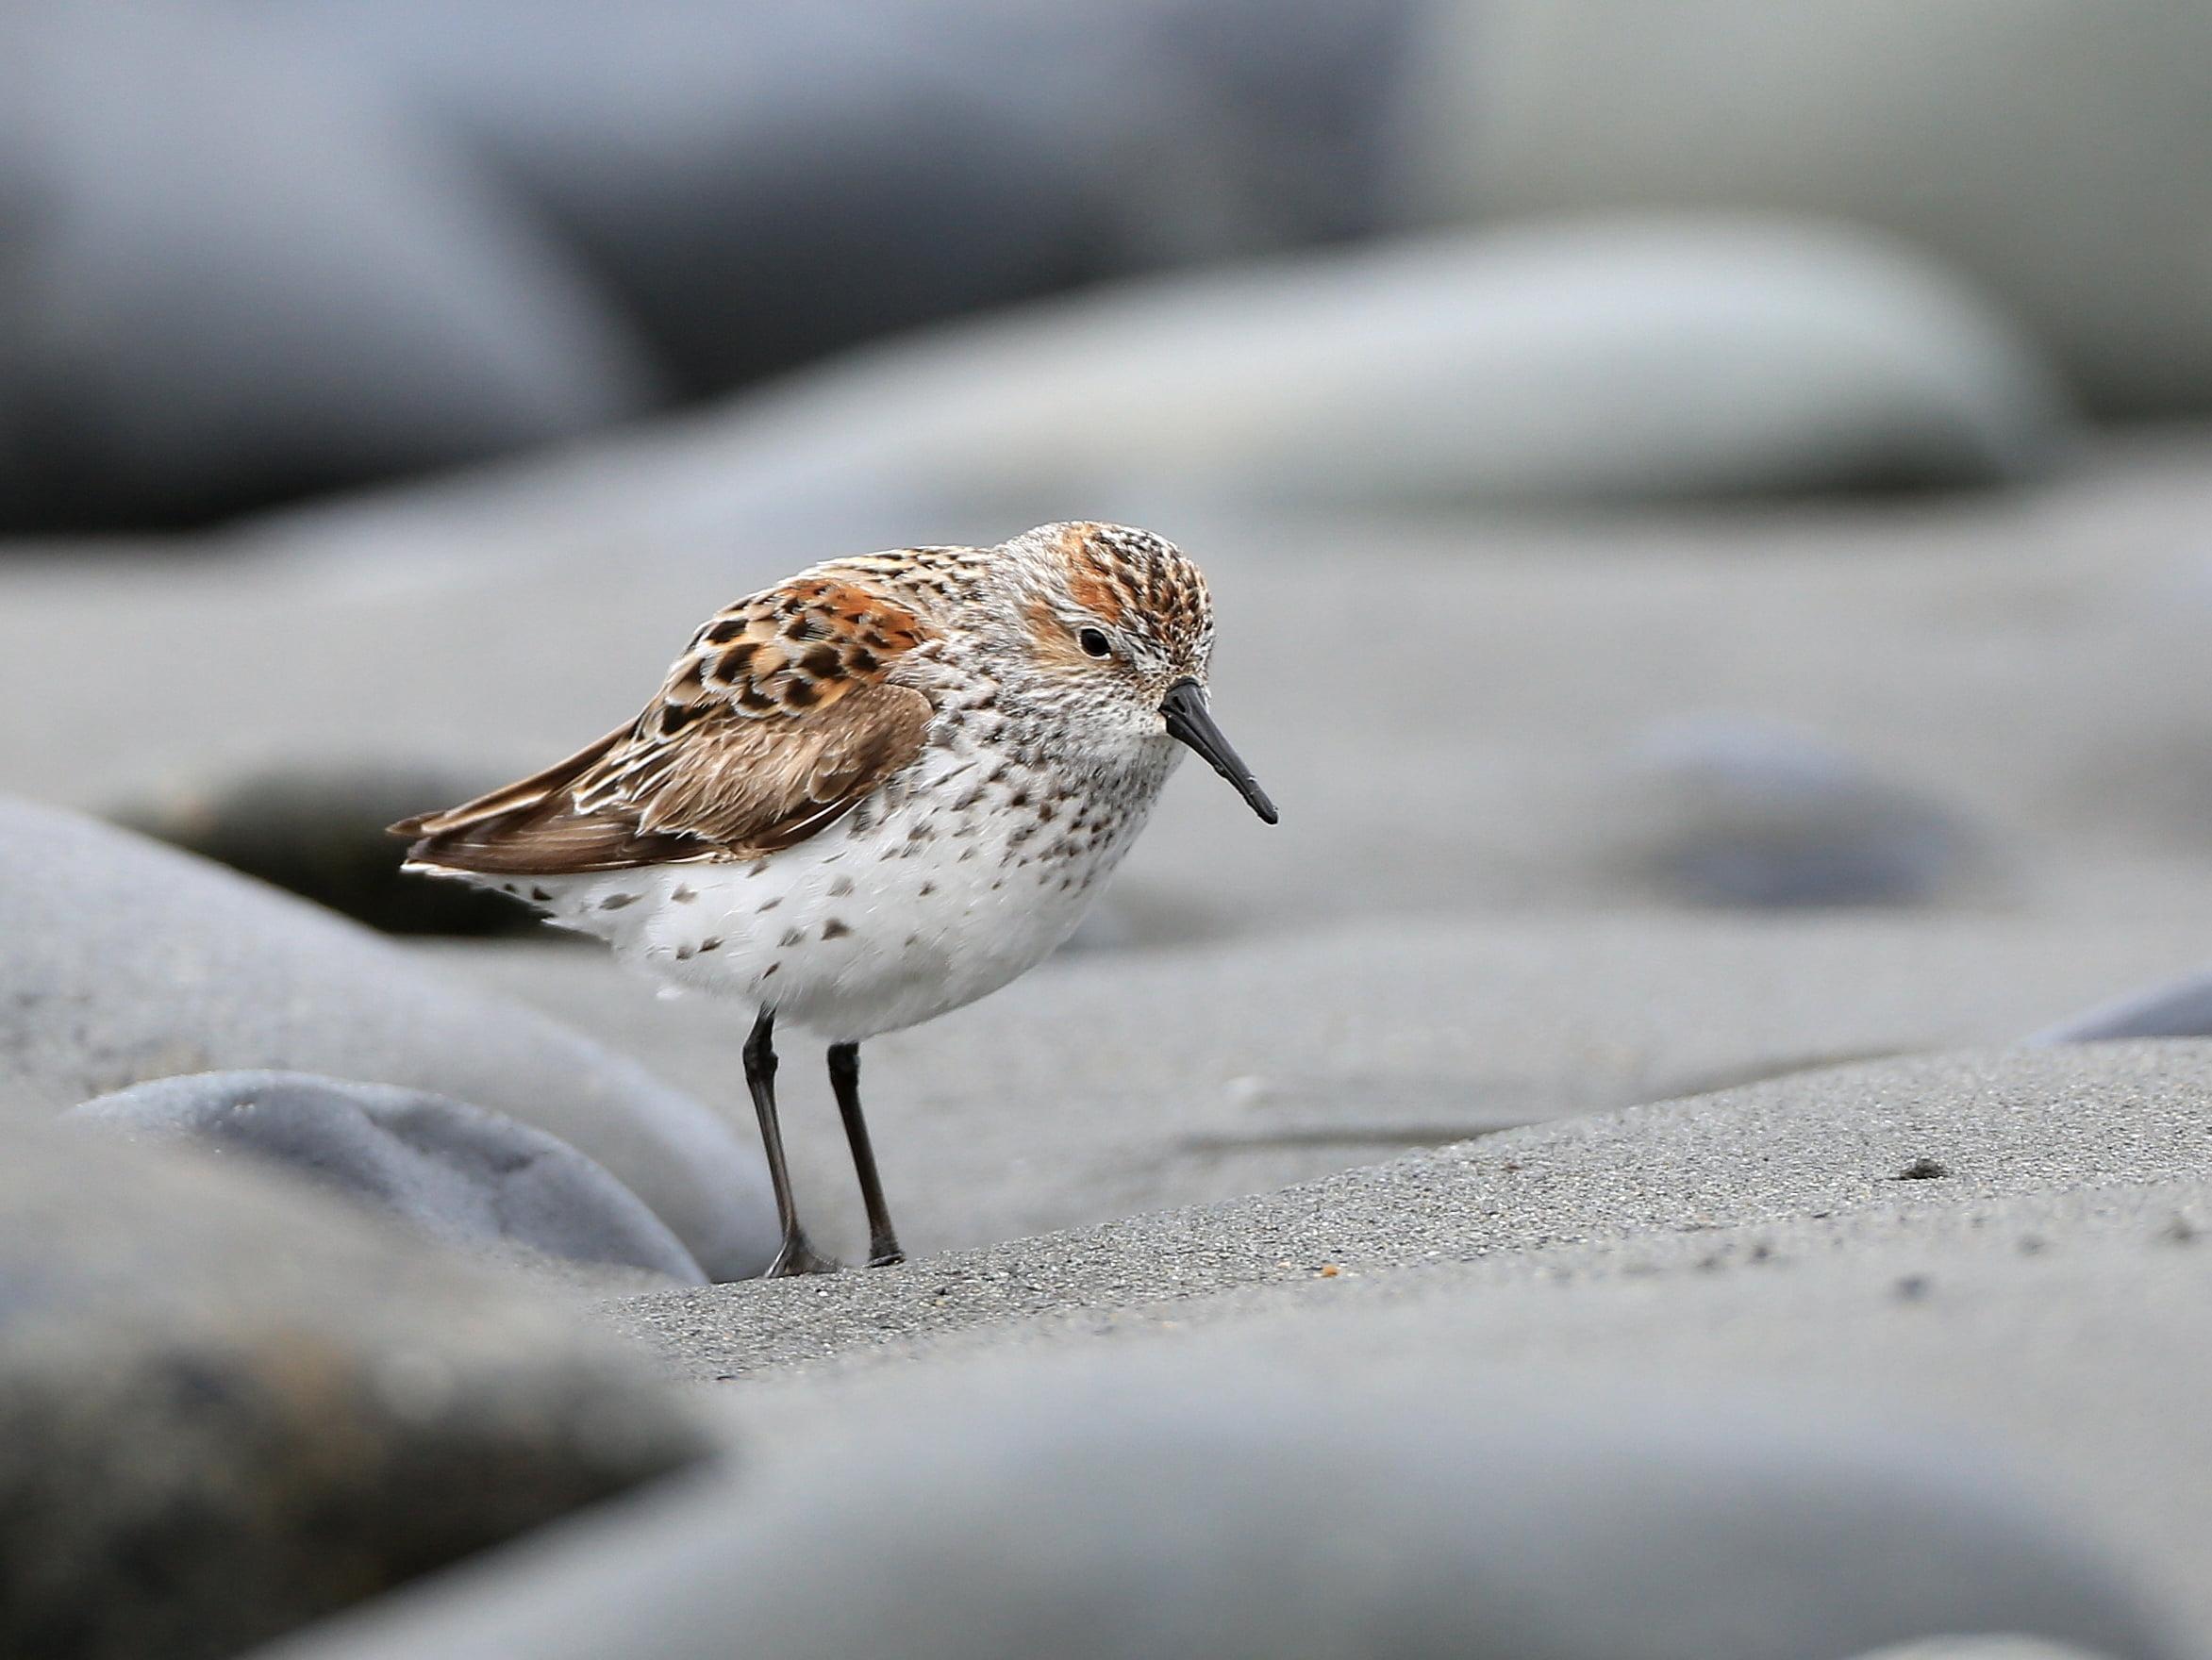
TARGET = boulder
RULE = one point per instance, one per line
(1604, 360)
(458, 1173)
(228, 1407)
(122, 961)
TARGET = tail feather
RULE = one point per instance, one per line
(533, 826)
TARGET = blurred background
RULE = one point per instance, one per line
(1468, 252)
(1707, 505)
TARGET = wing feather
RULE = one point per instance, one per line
(777, 721)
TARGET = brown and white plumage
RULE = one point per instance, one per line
(877, 791)
(776, 721)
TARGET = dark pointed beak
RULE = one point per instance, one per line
(1190, 721)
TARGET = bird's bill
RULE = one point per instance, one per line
(1190, 721)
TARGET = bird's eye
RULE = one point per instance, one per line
(1095, 643)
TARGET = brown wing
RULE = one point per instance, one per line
(772, 727)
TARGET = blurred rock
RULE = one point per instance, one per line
(228, 1406)
(460, 1175)
(317, 829)
(2060, 154)
(1599, 361)
(1110, 1510)
(127, 961)
(762, 184)
(2178, 1008)
(235, 269)
(1731, 811)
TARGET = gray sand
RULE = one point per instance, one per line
(2002, 1127)
(2049, 1294)
(1110, 1082)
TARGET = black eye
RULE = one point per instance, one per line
(1095, 643)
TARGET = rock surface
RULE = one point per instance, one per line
(1605, 360)
(1602, 361)
(226, 1403)
(457, 1173)
(1103, 1510)
(126, 962)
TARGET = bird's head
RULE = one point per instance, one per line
(1118, 629)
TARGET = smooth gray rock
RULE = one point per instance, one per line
(236, 269)
(1106, 1511)
(1726, 810)
(1606, 361)
(458, 1173)
(2060, 154)
(126, 961)
(2177, 1009)
(229, 1405)
(1610, 359)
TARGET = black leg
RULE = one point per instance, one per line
(844, 1077)
(797, 1256)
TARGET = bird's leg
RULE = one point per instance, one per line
(844, 1077)
(798, 1256)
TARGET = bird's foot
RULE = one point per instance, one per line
(798, 1256)
(885, 1255)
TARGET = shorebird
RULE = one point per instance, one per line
(870, 795)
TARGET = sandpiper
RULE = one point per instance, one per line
(870, 795)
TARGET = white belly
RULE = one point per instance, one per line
(887, 918)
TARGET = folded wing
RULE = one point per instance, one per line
(775, 722)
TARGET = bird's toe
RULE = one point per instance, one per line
(798, 1256)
